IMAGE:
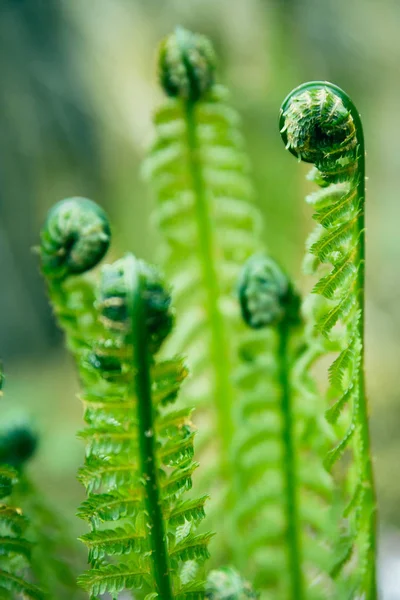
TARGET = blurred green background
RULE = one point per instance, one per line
(77, 90)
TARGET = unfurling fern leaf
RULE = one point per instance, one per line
(320, 125)
(139, 452)
(283, 515)
(199, 171)
(15, 548)
(52, 552)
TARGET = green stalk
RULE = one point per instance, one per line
(219, 340)
(365, 437)
(142, 389)
(290, 467)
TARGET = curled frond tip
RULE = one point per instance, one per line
(75, 237)
(186, 64)
(317, 124)
(115, 294)
(265, 293)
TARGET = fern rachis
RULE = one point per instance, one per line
(320, 124)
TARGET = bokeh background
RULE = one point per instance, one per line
(77, 89)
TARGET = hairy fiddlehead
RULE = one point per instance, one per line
(139, 451)
(320, 125)
(285, 493)
(199, 172)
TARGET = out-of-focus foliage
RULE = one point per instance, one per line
(77, 90)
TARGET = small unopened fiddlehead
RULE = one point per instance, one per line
(320, 124)
(17, 445)
(75, 237)
(186, 65)
(265, 293)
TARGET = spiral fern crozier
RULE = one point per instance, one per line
(139, 451)
(320, 125)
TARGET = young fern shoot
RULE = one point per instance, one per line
(15, 548)
(320, 125)
(290, 550)
(199, 171)
(139, 450)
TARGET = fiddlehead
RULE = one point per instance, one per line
(74, 238)
(139, 456)
(186, 65)
(320, 124)
(199, 172)
(287, 542)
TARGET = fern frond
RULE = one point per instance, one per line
(33, 562)
(199, 171)
(139, 447)
(320, 125)
(18, 585)
(282, 472)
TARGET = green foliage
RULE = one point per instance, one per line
(320, 124)
(285, 516)
(47, 548)
(227, 584)
(139, 448)
(15, 549)
(199, 171)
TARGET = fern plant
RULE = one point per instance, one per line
(320, 125)
(199, 171)
(51, 550)
(139, 448)
(15, 548)
(289, 554)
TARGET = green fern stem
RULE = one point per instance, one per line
(219, 341)
(290, 468)
(142, 384)
(320, 125)
(363, 404)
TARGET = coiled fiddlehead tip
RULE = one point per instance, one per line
(17, 445)
(186, 65)
(114, 298)
(227, 583)
(317, 124)
(75, 237)
(265, 293)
